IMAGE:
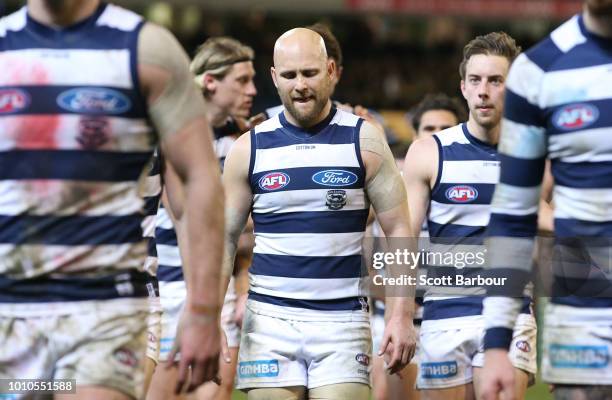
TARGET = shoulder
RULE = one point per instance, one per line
(13, 22)
(158, 46)
(119, 18)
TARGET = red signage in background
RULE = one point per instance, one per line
(551, 9)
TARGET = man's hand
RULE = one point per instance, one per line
(198, 339)
(497, 377)
(240, 308)
(398, 344)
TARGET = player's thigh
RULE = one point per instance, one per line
(340, 391)
(280, 393)
(403, 387)
(227, 372)
(150, 366)
(163, 384)
(461, 392)
(521, 381)
(574, 392)
(378, 377)
(94, 393)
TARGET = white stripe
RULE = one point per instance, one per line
(460, 214)
(522, 141)
(117, 134)
(479, 171)
(63, 197)
(514, 200)
(150, 265)
(119, 18)
(525, 78)
(163, 219)
(568, 35)
(151, 186)
(583, 204)
(308, 289)
(274, 111)
(323, 155)
(593, 145)
(168, 255)
(269, 125)
(576, 85)
(305, 200)
(223, 146)
(309, 244)
(102, 259)
(343, 118)
(13, 22)
(148, 226)
(452, 135)
(23, 67)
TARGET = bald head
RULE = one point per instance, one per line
(302, 41)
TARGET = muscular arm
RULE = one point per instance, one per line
(238, 199)
(176, 109)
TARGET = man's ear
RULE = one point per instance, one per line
(209, 83)
(273, 73)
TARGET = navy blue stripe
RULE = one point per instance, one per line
(573, 228)
(80, 165)
(70, 230)
(357, 141)
(151, 205)
(46, 289)
(351, 303)
(468, 152)
(584, 55)
(81, 100)
(584, 175)
(583, 302)
(334, 134)
(139, 97)
(512, 225)
(155, 165)
(307, 267)
(166, 236)
(252, 156)
(455, 234)
(434, 189)
(521, 172)
(460, 307)
(484, 193)
(518, 109)
(498, 338)
(302, 179)
(151, 247)
(169, 274)
(307, 134)
(311, 222)
(544, 54)
(577, 116)
(489, 149)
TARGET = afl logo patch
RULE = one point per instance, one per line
(94, 101)
(274, 181)
(363, 359)
(461, 194)
(523, 346)
(575, 116)
(13, 100)
(334, 177)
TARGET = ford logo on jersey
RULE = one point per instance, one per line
(13, 100)
(274, 181)
(461, 194)
(575, 116)
(334, 177)
(94, 101)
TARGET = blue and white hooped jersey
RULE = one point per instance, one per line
(152, 198)
(309, 213)
(458, 215)
(74, 144)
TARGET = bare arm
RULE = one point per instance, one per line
(176, 109)
(238, 199)
(386, 192)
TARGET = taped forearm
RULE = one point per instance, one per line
(179, 101)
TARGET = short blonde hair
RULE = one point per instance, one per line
(217, 55)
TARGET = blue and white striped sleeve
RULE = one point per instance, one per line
(514, 209)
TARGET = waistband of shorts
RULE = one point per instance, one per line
(86, 307)
(304, 314)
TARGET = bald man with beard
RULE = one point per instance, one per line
(308, 177)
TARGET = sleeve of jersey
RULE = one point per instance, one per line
(513, 224)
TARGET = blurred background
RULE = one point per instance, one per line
(395, 51)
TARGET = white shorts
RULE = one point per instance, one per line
(577, 346)
(173, 295)
(280, 352)
(154, 328)
(378, 330)
(97, 343)
(448, 355)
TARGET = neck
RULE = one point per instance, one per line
(599, 25)
(61, 13)
(214, 114)
(322, 115)
(488, 135)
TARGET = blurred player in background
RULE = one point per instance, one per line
(435, 113)
(558, 107)
(450, 177)
(85, 79)
(223, 68)
(306, 332)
